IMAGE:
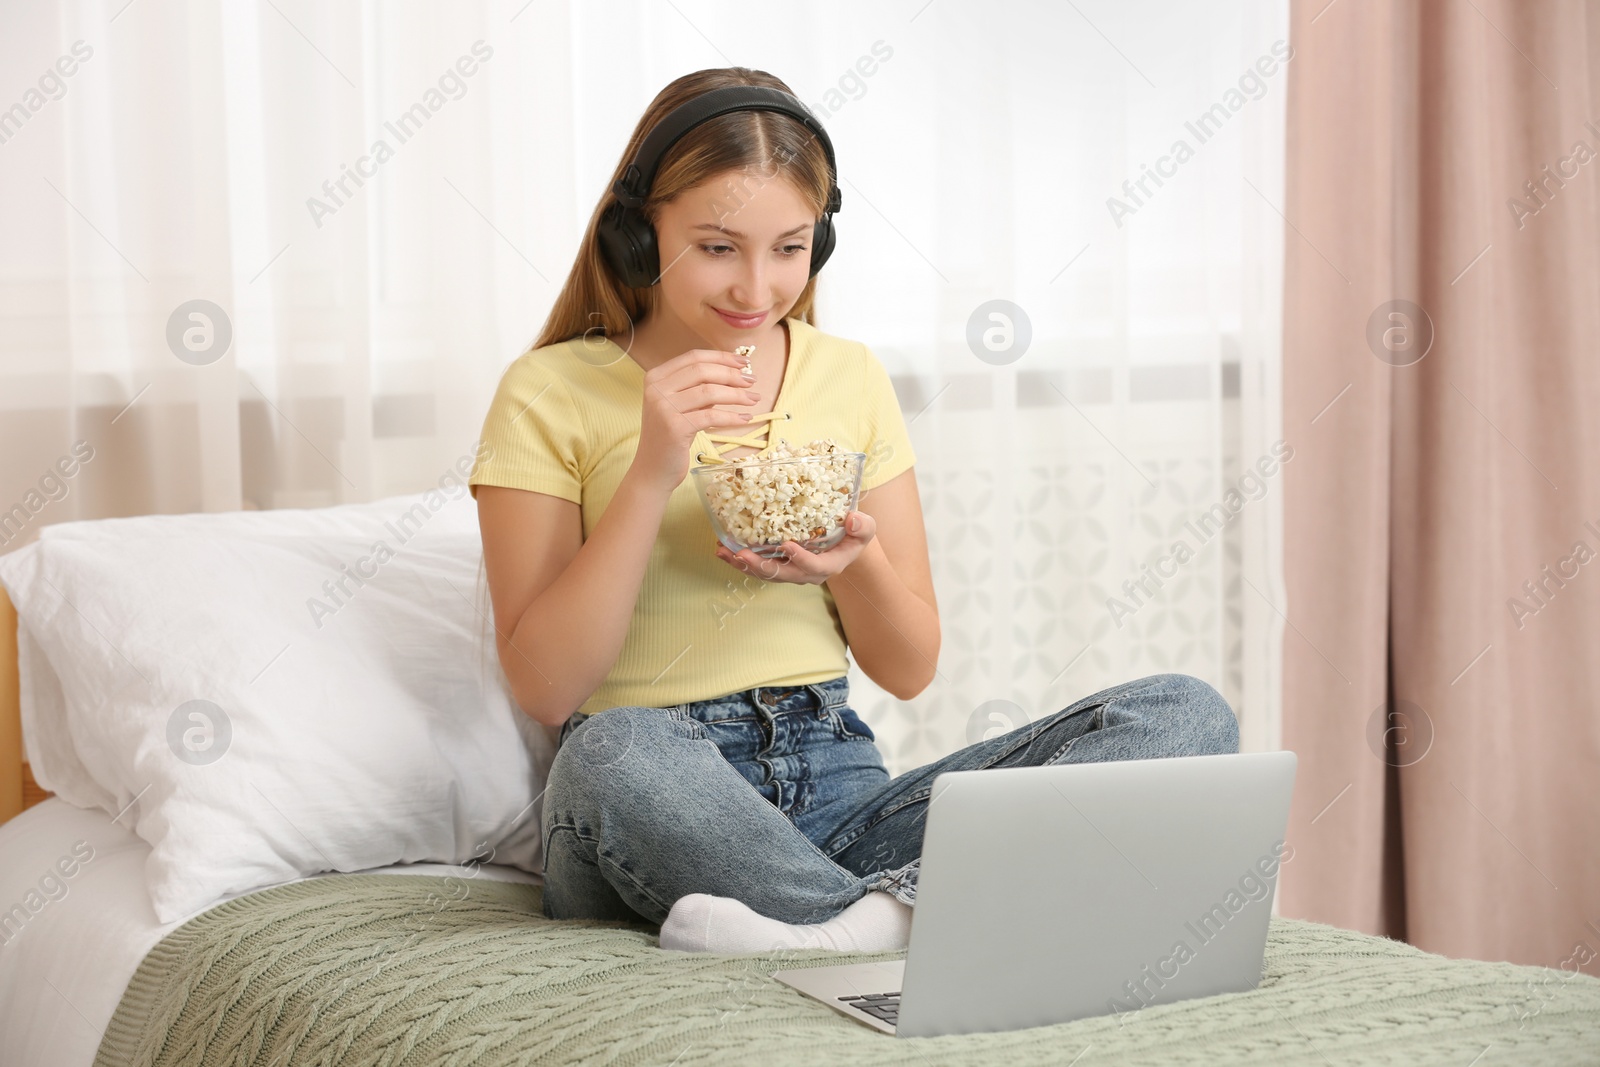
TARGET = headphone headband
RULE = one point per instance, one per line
(634, 185)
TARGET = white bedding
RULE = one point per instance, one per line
(346, 729)
(63, 971)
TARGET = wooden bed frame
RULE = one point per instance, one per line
(18, 790)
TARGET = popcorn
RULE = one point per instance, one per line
(771, 502)
(744, 352)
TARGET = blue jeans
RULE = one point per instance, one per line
(778, 796)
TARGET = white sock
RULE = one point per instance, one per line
(700, 922)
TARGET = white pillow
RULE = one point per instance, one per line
(376, 728)
(46, 734)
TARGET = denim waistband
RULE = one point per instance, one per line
(772, 699)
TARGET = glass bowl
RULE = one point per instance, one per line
(752, 502)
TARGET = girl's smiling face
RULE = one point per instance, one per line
(735, 256)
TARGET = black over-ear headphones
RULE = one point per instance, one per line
(628, 241)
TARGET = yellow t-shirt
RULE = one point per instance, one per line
(565, 421)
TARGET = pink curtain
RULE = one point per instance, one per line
(1442, 513)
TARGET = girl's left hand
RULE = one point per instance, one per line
(800, 567)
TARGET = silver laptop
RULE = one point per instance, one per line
(1049, 894)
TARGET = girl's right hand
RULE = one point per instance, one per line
(679, 399)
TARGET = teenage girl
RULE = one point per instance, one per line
(710, 775)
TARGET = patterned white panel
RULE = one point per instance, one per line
(1024, 568)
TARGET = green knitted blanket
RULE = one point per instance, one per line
(411, 970)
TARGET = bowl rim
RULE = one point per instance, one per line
(754, 461)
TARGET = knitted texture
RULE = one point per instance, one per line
(410, 970)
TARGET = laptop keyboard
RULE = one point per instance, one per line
(885, 1006)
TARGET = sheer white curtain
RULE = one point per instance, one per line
(377, 205)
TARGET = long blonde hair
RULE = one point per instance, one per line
(593, 300)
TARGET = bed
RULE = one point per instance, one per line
(453, 963)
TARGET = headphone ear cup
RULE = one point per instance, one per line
(628, 243)
(823, 239)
